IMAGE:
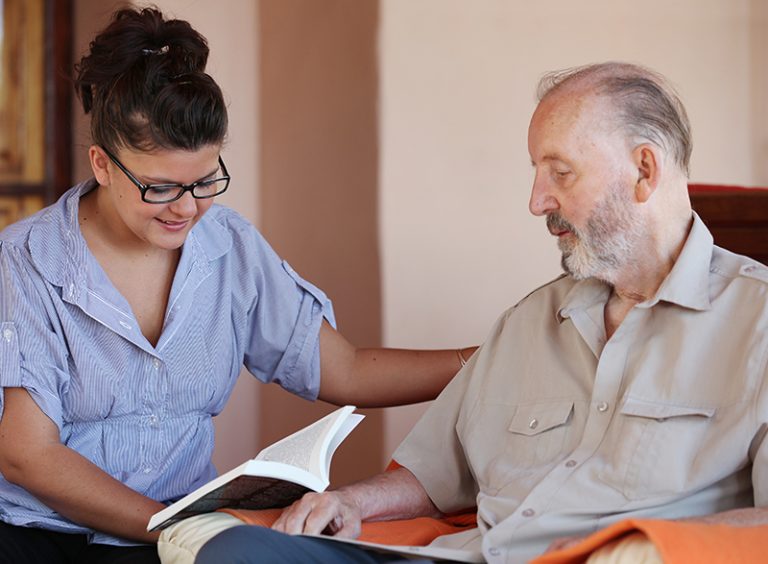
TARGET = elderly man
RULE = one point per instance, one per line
(634, 385)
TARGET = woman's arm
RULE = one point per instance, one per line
(32, 457)
(382, 377)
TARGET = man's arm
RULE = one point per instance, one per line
(382, 377)
(31, 456)
(391, 495)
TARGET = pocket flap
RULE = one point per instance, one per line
(655, 410)
(540, 417)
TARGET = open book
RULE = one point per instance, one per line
(279, 475)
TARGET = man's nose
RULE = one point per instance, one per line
(542, 201)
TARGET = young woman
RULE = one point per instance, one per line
(129, 307)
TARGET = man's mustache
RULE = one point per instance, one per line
(557, 224)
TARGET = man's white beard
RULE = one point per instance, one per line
(605, 245)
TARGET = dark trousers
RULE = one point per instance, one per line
(250, 545)
(24, 545)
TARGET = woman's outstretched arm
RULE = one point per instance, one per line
(383, 377)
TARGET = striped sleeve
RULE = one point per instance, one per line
(28, 337)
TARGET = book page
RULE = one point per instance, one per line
(296, 449)
(346, 427)
(312, 447)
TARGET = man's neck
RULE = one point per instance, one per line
(642, 276)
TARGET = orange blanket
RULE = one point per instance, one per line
(677, 542)
(410, 532)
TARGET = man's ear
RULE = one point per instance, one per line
(647, 159)
(99, 164)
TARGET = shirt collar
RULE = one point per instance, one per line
(60, 253)
(686, 285)
(56, 245)
(209, 237)
(582, 295)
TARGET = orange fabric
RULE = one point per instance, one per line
(260, 517)
(677, 542)
(393, 465)
(413, 532)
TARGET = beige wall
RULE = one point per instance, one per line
(457, 90)
(758, 55)
(453, 93)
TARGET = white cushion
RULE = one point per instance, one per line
(179, 543)
(631, 549)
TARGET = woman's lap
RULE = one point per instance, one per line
(32, 546)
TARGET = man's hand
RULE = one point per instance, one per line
(391, 495)
(316, 513)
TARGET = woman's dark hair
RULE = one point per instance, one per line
(143, 82)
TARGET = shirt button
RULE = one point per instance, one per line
(602, 407)
(529, 512)
(156, 363)
(533, 424)
(570, 464)
(153, 419)
(71, 291)
(8, 334)
(147, 470)
(493, 551)
(125, 325)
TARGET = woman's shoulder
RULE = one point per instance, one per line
(227, 217)
(41, 239)
(225, 232)
(53, 217)
(224, 221)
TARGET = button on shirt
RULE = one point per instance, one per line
(551, 431)
(140, 412)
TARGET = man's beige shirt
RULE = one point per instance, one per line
(553, 431)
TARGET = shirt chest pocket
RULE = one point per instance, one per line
(533, 438)
(656, 449)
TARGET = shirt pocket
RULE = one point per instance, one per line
(532, 439)
(654, 451)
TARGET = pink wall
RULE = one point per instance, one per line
(319, 182)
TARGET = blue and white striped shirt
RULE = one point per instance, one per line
(143, 413)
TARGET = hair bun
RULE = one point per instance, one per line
(135, 61)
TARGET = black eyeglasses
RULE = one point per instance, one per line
(164, 193)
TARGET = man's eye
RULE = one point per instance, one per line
(562, 173)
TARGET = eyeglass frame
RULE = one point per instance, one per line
(143, 188)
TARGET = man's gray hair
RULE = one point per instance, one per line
(647, 105)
